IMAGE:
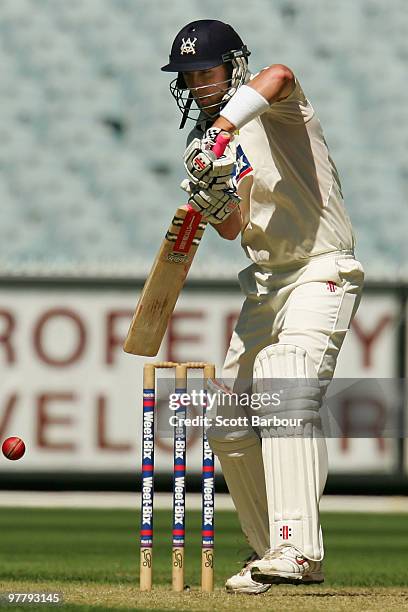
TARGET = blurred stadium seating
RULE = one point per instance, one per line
(90, 156)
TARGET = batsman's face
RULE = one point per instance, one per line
(208, 86)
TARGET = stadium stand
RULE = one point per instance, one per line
(90, 156)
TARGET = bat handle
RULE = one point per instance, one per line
(221, 143)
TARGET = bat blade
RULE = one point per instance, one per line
(164, 283)
(167, 276)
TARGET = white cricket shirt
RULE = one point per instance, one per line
(292, 203)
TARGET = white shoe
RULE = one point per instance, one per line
(243, 583)
(286, 565)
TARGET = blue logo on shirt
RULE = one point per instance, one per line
(243, 167)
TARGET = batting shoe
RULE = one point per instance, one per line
(286, 565)
(242, 582)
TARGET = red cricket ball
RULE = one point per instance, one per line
(13, 448)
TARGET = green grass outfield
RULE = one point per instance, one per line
(91, 557)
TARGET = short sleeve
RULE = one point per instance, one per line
(296, 108)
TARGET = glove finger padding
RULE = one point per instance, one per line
(215, 206)
(210, 138)
(219, 183)
(206, 170)
(187, 186)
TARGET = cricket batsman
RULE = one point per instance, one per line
(278, 187)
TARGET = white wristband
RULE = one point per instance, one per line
(245, 105)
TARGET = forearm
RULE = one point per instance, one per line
(245, 105)
(231, 227)
(251, 100)
(224, 125)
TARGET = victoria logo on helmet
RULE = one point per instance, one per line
(188, 46)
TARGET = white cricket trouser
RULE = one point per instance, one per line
(298, 306)
(310, 307)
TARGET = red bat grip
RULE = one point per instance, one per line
(221, 143)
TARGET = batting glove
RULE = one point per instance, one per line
(203, 167)
(214, 205)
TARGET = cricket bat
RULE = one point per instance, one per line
(167, 276)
